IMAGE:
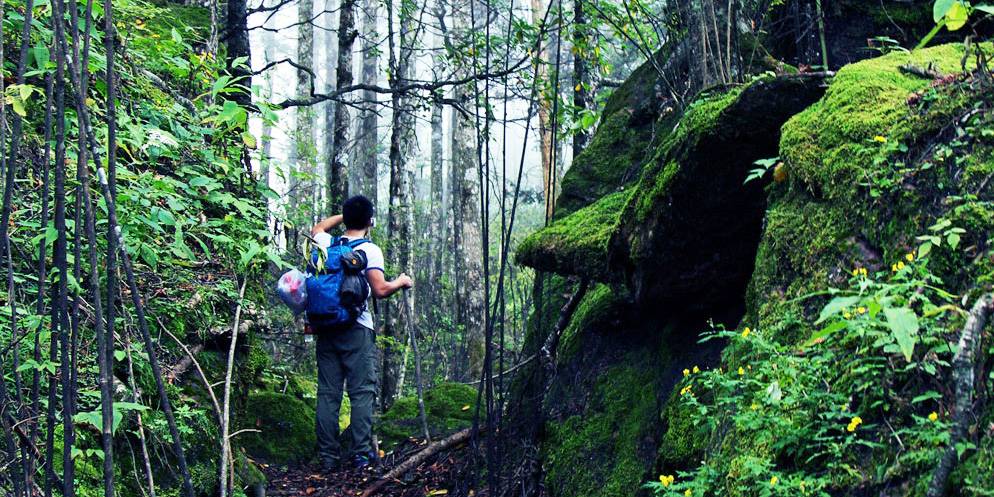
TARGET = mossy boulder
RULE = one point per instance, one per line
(286, 428)
(449, 408)
(578, 243)
(635, 118)
(691, 228)
(606, 449)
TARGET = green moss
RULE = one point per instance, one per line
(599, 306)
(602, 452)
(286, 426)
(830, 147)
(578, 243)
(449, 407)
(684, 440)
(604, 166)
(632, 124)
(698, 121)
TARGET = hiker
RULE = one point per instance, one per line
(346, 351)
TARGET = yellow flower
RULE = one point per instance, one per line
(685, 390)
(741, 371)
(688, 492)
(686, 372)
(847, 315)
(855, 272)
(934, 416)
(910, 256)
(861, 310)
(773, 481)
(696, 370)
(880, 139)
(900, 265)
(746, 332)
(854, 423)
(893, 267)
(666, 480)
(754, 406)
(863, 271)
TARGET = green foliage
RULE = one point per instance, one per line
(837, 412)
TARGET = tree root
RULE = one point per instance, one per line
(418, 458)
(963, 377)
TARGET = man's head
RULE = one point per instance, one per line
(357, 212)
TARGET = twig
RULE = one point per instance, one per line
(225, 442)
(921, 72)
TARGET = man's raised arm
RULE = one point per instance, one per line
(326, 224)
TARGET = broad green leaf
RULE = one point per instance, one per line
(957, 16)
(952, 239)
(939, 9)
(248, 140)
(834, 306)
(903, 324)
(985, 8)
(924, 249)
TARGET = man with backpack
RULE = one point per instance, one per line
(343, 327)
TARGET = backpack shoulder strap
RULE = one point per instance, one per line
(355, 243)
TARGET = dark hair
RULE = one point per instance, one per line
(357, 212)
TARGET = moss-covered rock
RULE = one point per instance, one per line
(449, 407)
(635, 118)
(691, 227)
(578, 243)
(286, 428)
(605, 449)
(831, 147)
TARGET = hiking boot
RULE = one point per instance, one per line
(362, 462)
(330, 466)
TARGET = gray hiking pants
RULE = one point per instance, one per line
(346, 357)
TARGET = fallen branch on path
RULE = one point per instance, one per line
(413, 462)
(963, 377)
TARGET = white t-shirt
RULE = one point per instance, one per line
(374, 262)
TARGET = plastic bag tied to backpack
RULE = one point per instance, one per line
(292, 289)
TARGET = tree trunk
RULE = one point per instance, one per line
(436, 216)
(400, 312)
(368, 139)
(236, 37)
(544, 109)
(581, 76)
(335, 165)
(464, 165)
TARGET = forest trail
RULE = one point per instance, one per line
(434, 476)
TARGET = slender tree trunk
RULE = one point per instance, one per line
(368, 139)
(581, 76)
(465, 162)
(436, 216)
(301, 157)
(545, 132)
(226, 403)
(236, 37)
(400, 312)
(335, 166)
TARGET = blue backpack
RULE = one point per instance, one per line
(337, 290)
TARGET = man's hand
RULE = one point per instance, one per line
(404, 281)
